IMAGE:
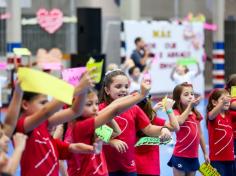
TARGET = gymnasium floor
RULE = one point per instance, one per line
(165, 151)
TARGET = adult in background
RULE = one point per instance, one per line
(140, 54)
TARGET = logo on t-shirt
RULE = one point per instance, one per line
(179, 165)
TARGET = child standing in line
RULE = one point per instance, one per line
(38, 117)
(219, 122)
(120, 154)
(83, 129)
(185, 156)
(147, 157)
(230, 83)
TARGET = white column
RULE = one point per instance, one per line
(13, 25)
(130, 9)
(218, 46)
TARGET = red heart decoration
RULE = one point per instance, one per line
(50, 21)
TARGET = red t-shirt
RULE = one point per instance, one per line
(147, 157)
(41, 154)
(233, 112)
(221, 138)
(87, 164)
(130, 121)
(188, 137)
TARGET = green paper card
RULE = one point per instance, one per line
(98, 72)
(233, 91)
(151, 141)
(208, 170)
(187, 61)
(104, 133)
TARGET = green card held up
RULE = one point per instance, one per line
(151, 141)
(104, 133)
(233, 91)
(98, 71)
(187, 61)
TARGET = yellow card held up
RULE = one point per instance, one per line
(40, 82)
(163, 101)
(208, 170)
(22, 51)
(233, 91)
(98, 72)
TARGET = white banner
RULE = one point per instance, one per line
(24, 3)
(168, 42)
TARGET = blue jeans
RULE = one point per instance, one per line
(121, 173)
(225, 168)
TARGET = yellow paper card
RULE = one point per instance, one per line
(208, 170)
(40, 82)
(233, 91)
(98, 72)
(22, 51)
(163, 101)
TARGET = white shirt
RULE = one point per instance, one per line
(184, 78)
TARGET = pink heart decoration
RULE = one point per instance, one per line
(50, 21)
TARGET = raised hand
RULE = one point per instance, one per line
(145, 87)
(165, 134)
(169, 103)
(196, 101)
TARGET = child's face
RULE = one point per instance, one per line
(91, 105)
(35, 104)
(226, 102)
(181, 70)
(186, 96)
(118, 88)
(136, 73)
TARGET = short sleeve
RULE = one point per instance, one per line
(158, 121)
(63, 149)
(142, 120)
(20, 125)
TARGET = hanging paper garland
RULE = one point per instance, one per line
(5, 16)
(50, 21)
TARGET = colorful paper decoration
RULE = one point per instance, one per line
(49, 60)
(5, 16)
(233, 91)
(22, 51)
(3, 66)
(208, 170)
(50, 21)
(151, 141)
(73, 75)
(98, 72)
(41, 82)
(104, 133)
(187, 61)
(210, 27)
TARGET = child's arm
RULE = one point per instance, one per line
(116, 129)
(19, 143)
(203, 145)
(77, 107)
(198, 70)
(13, 111)
(172, 74)
(85, 148)
(120, 105)
(217, 109)
(173, 124)
(157, 131)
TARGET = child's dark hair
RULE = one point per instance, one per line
(176, 97)
(214, 95)
(231, 82)
(28, 96)
(131, 70)
(138, 39)
(107, 81)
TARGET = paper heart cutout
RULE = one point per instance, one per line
(53, 58)
(50, 21)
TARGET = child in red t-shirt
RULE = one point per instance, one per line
(185, 156)
(83, 130)
(147, 157)
(38, 117)
(120, 154)
(230, 83)
(219, 122)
